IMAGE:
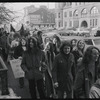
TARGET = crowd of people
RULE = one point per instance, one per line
(52, 67)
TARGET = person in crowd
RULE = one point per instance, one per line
(33, 64)
(63, 71)
(78, 52)
(10, 38)
(74, 44)
(15, 42)
(34, 34)
(3, 45)
(18, 52)
(40, 40)
(87, 72)
(27, 35)
(48, 74)
(46, 40)
(56, 44)
(0, 32)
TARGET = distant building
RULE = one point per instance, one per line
(39, 17)
(77, 15)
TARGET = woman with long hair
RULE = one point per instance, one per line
(56, 44)
(78, 52)
(87, 72)
(33, 64)
(74, 44)
(48, 74)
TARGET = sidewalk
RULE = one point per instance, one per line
(14, 85)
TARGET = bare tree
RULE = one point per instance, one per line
(6, 15)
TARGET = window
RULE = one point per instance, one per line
(84, 12)
(76, 4)
(59, 24)
(94, 11)
(90, 22)
(70, 13)
(58, 15)
(70, 24)
(95, 21)
(65, 24)
(75, 13)
(65, 14)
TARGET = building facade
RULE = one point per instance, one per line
(77, 15)
(39, 17)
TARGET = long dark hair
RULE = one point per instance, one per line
(87, 55)
(58, 40)
(66, 43)
(21, 41)
(51, 51)
(35, 45)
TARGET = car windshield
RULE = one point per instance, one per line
(88, 41)
(96, 41)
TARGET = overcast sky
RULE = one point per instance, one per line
(19, 6)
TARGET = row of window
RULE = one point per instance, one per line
(70, 14)
(93, 12)
(70, 24)
(79, 3)
(93, 23)
(76, 3)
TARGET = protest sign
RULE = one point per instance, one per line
(16, 68)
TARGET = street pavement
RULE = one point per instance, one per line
(14, 85)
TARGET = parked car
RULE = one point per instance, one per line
(92, 41)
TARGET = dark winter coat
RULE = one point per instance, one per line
(83, 81)
(63, 71)
(18, 51)
(48, 74)
(77, 55)
(31, 64)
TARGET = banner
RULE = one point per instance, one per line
(16, 68)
